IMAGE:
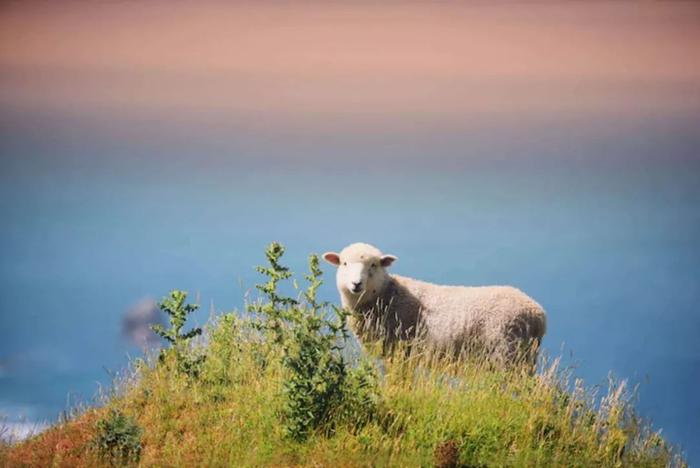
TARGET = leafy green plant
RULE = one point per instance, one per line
(276, 309)
(118, 439)
(311, 335)
(177, 309)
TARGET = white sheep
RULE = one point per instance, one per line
(501, 319)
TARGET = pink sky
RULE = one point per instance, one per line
(293, 64)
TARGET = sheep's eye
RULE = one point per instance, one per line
(345, 263)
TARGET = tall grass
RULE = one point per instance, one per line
(276, 389)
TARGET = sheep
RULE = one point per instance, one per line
(500, 319)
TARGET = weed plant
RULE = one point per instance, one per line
(118, 439)
(187, 360)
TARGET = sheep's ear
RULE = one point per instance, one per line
(332, 258)
(387, 260)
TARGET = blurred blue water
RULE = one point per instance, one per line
(610, 251)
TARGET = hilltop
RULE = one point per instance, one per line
(277, 387)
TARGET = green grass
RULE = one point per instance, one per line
(240, 409)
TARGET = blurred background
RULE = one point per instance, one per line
(148, 146)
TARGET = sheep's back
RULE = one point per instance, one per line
(454, 313)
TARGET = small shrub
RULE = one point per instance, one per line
(320, 387)
(118, 439)
(361, 396)
(174, 305)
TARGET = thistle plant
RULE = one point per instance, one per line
(276, 307)
(177, 309)
(317, 376)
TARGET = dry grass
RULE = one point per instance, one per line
(63, 445)
(431, 412)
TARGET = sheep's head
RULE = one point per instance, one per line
(361, 271)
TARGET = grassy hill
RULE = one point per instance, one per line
(277, 388)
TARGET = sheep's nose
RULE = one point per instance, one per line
(356, 285)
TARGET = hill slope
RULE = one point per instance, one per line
(277, 390)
